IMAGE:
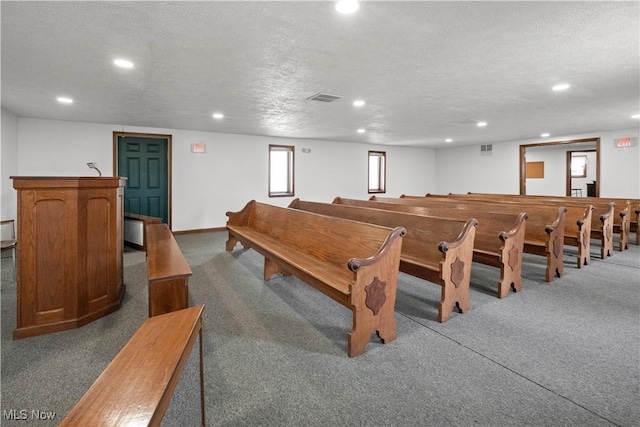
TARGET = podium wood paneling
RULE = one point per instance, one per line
(70, 251)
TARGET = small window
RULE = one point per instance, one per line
(578, 166)
(281, 170)
(377, 172)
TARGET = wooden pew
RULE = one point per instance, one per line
(435, 249)
(577, 224)
(602, 221)
(354, 263)
(499, 239)
(621, 205)
(137, 386)
(620, 226)
(167, 271)
(544, 234)
(623, 216)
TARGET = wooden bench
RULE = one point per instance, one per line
(610, 217)
(577, 225)
(544, 234)
(439, 250)
(634, 217)
(134, 229)
(627, 211)
(602, 220)
(499, 238)
(354, 263)
(621, 226)
(137, 386)
(167, 271)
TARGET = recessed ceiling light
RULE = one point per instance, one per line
(358, 103)
(361, 130)
(563, 86)
(347, 6)
(64, 100)
(123, 63)
(636, 116)
(218, 116)
(544, 135)
(481, 124)
(448, 140)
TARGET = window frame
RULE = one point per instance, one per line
(381, 173)
(291, 149)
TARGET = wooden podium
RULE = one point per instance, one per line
(70, 251)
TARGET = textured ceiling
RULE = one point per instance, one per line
(427, 70)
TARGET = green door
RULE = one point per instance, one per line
(144, 162)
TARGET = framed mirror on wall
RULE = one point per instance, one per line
(562, 174)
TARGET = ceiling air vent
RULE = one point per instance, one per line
(324, 97)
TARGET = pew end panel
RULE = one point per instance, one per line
(622, 224)
(455, 271)
(373, 294)
(240, 217)
(578, 232)
(602, 228)
(511, 257)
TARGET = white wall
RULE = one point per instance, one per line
(554, 181)
(8, 164)
(233, 170)
(619, 167)
(462, 169)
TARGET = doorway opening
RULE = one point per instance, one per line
(557, 156)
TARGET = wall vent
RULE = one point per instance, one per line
(324, 97)
(486, 149)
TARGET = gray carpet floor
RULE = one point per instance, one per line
(565, 353)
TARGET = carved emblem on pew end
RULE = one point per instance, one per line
(557, 247)
(514, 257)
(457, 272)
(375, 295)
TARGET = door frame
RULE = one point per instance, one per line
(523, 150)
(116, 134)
